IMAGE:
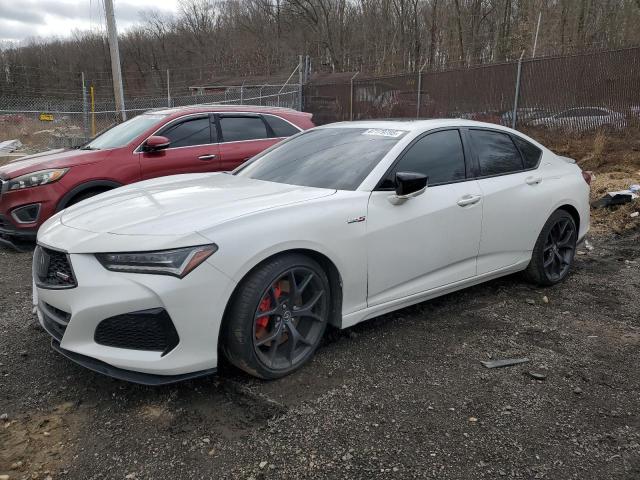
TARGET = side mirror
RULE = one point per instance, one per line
(408, 185)
(155, 143)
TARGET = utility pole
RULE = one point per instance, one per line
(112, 34)
(300, 82)
(168, 90)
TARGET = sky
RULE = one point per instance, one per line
(47, 19)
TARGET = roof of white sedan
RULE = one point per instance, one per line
(410, 125)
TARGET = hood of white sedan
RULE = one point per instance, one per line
(182, 204)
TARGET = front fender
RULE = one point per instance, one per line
(319, 226)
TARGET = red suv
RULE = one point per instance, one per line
(154, 144)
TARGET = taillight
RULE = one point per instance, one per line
(588, 176)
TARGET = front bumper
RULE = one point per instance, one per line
(195, 305)
(127, 375)
(18, 238)
(23, 235)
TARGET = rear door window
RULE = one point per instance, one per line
(237, 129)
(188, 133)
(496, 152)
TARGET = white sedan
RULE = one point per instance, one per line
(336, 225)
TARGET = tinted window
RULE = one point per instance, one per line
(438, 155)
(496, 152)
(194, 131)
(280, 127)
(236, 129)
(530, 153)
(339, 158)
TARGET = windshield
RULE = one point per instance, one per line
(336, 158)
(122, 134)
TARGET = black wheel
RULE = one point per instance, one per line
(554, 250)
(277, 317)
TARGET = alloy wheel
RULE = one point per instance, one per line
(289, 319)
(559, 249)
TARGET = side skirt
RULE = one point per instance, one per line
(377, 310)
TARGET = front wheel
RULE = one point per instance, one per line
(554, 251)
(277, 317)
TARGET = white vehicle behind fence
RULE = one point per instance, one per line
(583, 119)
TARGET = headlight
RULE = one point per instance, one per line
(36, 179)
(178, 262)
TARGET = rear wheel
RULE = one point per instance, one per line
(277, 317)
(554, 251)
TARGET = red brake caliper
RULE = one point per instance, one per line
(265, 306)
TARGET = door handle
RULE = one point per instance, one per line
(211, 156)
(469, 200)
(533, 180)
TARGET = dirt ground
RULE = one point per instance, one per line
(401, 396)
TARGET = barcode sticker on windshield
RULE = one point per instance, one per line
(384, 132)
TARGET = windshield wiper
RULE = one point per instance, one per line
(87, 147)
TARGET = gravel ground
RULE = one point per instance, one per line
(401, 396)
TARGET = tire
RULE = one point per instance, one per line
(554, 251)
(268, 330)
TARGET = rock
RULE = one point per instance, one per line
(347, 457)
(4, 416)
(545, 299)
(4, 477)
(537, 375)
(530, 301)
(263, 464)
(16, 465)
(130, 475)
(473, 419)
(577, 390)
(212, 452)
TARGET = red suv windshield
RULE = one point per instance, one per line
(122, 134)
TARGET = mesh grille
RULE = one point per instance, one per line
(145, 330)
(52, 269)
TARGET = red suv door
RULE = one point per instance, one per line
(242, 135)
(193, 148)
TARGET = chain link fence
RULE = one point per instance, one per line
(71, 122)
(576, 93)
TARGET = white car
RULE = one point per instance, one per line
(582, 119)
(335, 225)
